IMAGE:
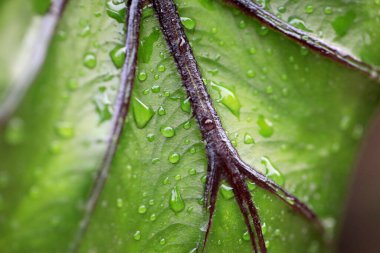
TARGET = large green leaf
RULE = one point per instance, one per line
(287, 110)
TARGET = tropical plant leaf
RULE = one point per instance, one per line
(293, 114)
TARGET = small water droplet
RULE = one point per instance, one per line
(167, 131)
(162, 241)
(153, 217)
(119, 202)
(156, 89)
(150, 137)
(192, 172)
(161, 68)
(178, 177)
(174, 158)
(309, 9)
(142, 113)
(161, 111)
(142, 76)
(187, 125)
(176, 202)
(265, 126)
(228, 99)
(272, 172)
(251, 73)
(65, 130)
(166, 181)
(227, 191)
(328, 10)
(298, 23)
(137, 235)
(142, 209)
(89, 60)
(248, 139)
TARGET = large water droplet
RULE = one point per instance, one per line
(141, 113)
(185, 105)
(265, 126)
(228, 98)
(117, 55)
(227, 191)
(188, 23)
(298, 23)
(116, 10)
(248, 139)
(176, 202)
(137, 235)
(272, 172)
(142, 209)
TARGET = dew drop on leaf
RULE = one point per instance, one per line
(248, 139)
(227, 98)
(265, 126)
(161, 111)
(89, 60)
(142, 76)
(272, 172)
(65, 130)
(142, 209)
(167, 131)
(185, 105)
(117, 55)
(142, 113)
(188, 23)
(174, 158)
(176, 202)
(116, 10)
(137, 235)
(227, 191)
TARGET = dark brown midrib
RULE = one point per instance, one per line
(120, 112)
(308, 40)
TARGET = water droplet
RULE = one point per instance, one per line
(176, 202)
(156, 89)
(116, 10)
(246, 236)
(65, 130)
(142, 209)
(161, 111)
(251, 73)
(146, 45)
(228, 99)
(117, 55)
(89, 60)
(151, 202)
(248, 139)
(252, 50)
(137, 235)
(167, 131)
(328, 10)
(227, 191)
(174, 158)
(166, 181)
(72, 85)
(162, 241)
(192, 172)
(187, 125)
(251, 186)
(188, 23)
(142, 76)
(142, 113)
(298, 23)
(185, 105)
(272, 172)
(242, 24)
(153, 217)
(263, 31)
(150, 137)
(14, 132)
(178, 177)
(265, 126)
(119, 202)
(161, 68)
(309, 9)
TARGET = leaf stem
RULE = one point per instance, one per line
(120, 113)
(255, 10)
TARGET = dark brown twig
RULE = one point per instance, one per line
(224, 161)
(255, 10)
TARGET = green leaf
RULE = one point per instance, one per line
(304, 115)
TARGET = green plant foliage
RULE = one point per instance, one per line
(291, 113)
